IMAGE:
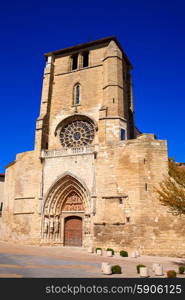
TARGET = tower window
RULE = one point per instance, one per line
(85, 56)
(122, 134)
(1, 208)
(74, 61)
(77, 94)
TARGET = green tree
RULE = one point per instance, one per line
(171, 191)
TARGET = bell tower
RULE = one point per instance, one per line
(86, 110)
(117, 110)
(90, 86)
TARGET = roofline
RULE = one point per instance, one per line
(87, 45)
(10, 164)
(2, 175)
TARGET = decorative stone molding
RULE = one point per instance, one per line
(68, 151)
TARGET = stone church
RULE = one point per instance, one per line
(89, 180)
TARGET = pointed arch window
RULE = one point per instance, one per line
(77, 92)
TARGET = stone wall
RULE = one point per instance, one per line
(22, 205)
(137, 221)
(127, 214)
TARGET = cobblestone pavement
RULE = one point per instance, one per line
(72, 262)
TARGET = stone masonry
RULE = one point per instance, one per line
(90, 179)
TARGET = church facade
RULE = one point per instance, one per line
(90, 179)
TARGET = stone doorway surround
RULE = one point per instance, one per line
(67, 199)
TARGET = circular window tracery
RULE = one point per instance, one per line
(76, 134)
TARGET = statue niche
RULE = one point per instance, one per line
(73, 202)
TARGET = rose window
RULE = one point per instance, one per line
(76, 134)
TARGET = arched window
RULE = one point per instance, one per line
(76, 131)
(76, 99)
(78, 94)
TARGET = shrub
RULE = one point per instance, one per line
(181, 269)
(171, 274)
(138, 268)
(98, 249)
(116, 269)
(109, 249)
(123, 253)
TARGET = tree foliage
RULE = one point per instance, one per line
(171, 191)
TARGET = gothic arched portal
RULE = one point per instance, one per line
(63, 212)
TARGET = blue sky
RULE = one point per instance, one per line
(152, 34)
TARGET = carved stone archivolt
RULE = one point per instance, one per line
(66, 195)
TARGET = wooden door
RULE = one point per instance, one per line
(73, 231)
